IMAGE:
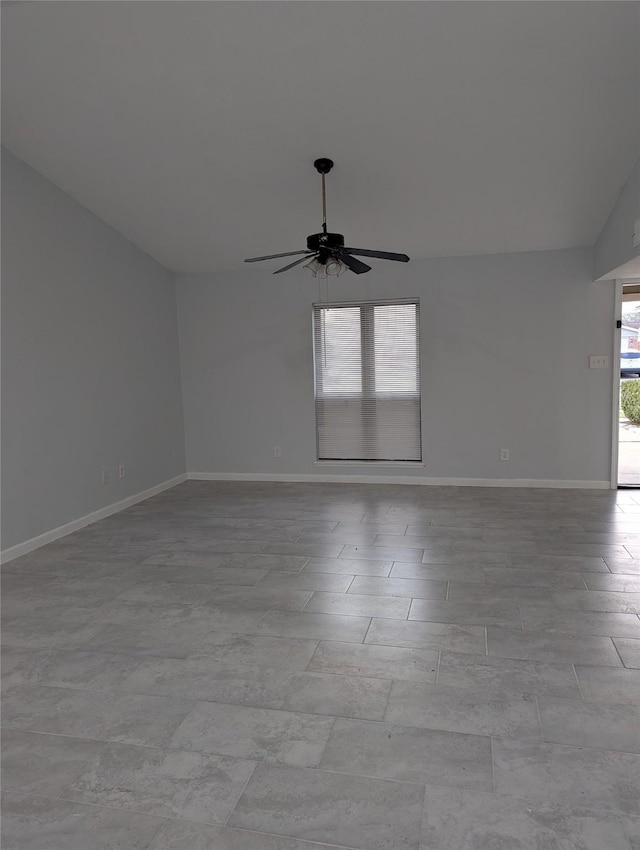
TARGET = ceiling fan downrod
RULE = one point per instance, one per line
(323, 166)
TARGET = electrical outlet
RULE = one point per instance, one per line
(277, 451)
(504, 454)
(121, 471)
(105, 476)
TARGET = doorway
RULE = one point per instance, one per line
(629, 371)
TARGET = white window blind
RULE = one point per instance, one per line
(367, 381)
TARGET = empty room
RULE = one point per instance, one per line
(309, 546)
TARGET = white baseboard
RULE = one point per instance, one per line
(69, 527)
(552, 484)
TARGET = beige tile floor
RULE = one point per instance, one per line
(242, 666)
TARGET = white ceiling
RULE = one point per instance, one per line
(456, 128)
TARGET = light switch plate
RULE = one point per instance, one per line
(598, 361)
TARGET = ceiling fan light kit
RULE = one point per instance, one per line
(332, 268)
(326, 254)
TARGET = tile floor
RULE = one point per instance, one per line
(242, 666)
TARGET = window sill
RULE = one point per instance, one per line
(369, 464)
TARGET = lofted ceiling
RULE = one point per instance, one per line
(455, 127)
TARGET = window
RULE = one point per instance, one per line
(367, 381)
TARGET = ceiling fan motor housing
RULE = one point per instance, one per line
(328, 241)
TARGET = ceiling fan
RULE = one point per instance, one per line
(326, 253)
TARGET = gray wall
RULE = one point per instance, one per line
(90, 362)
(614, 246)
(505, 347)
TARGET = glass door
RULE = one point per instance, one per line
(629, 413)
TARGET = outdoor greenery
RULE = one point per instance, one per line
(630, 400)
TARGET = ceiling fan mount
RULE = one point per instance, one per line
(323, 166)
(326, 253)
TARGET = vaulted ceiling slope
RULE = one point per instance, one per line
(456, 127)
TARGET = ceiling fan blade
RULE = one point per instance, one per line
(355, 265)
(381, 255)
(275, 256)
(294, 263)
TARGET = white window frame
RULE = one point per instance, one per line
(368, 377)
